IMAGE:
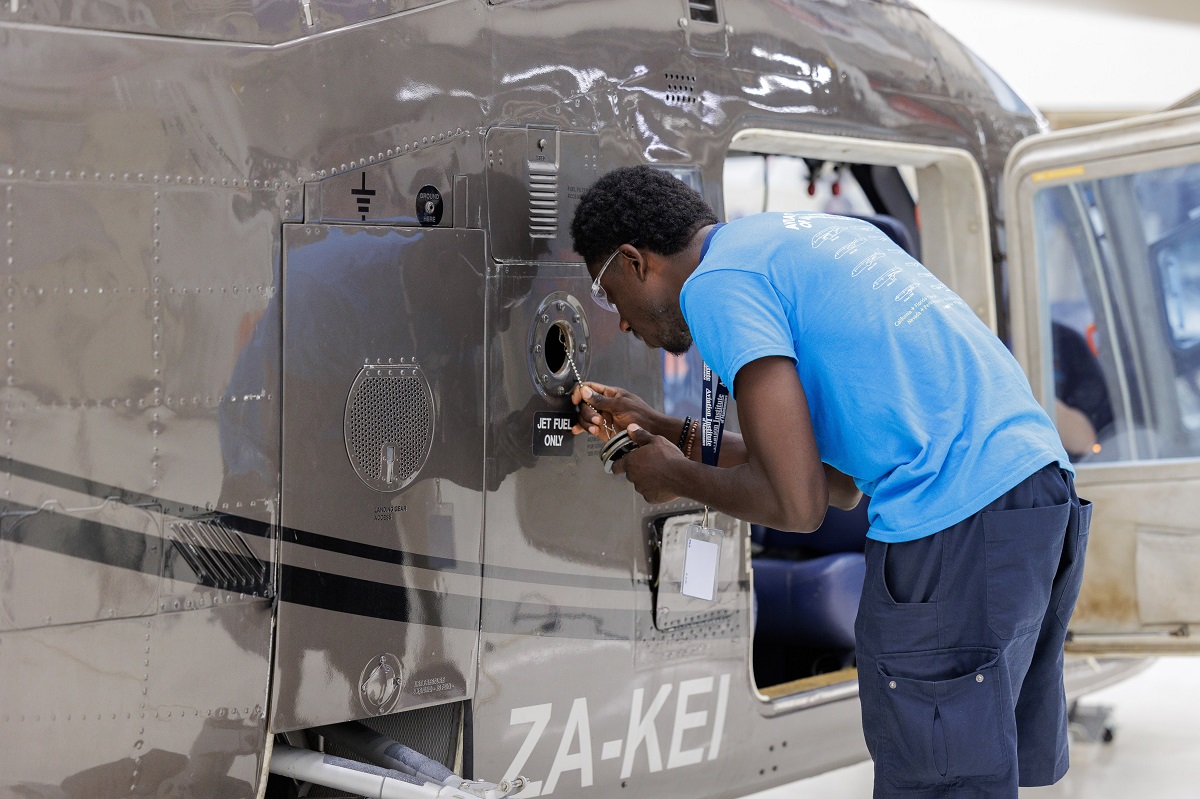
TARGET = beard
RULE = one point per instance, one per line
(671, 328)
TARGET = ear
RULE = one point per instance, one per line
(637, 260)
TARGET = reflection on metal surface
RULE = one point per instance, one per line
(44, 580)
(379, 684)
(365, 560)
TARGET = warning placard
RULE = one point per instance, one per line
(552, 433)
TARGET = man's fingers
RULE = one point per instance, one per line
(595, 399)
(577, 393)
(640, 435)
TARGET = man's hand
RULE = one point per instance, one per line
(651, 466)
(603, 410)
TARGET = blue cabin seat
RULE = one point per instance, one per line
(809, 603)
(807, 585)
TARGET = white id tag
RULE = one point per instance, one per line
(701, 562)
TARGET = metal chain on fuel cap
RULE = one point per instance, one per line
(566, 344)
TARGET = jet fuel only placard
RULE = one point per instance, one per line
(552, 433)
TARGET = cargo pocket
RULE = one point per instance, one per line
(1021, 549)
(944, 717)
(1074, 553)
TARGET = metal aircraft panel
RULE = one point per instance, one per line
(383, 465)
(131, 708)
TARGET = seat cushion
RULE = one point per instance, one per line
(809, 603)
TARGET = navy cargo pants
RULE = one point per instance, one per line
(960, 647)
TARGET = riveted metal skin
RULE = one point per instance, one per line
(208, 232)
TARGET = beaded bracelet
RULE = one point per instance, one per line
(691, 439)
(687, 426)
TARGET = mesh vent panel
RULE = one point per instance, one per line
(389, 428)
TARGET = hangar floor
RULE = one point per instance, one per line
(1156, 719)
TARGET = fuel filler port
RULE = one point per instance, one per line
(558, 345)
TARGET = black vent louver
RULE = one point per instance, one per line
(543, 200)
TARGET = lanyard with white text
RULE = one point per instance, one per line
(712, 422)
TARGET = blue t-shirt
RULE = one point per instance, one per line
(910, 393)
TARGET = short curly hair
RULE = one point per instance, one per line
(638, 204)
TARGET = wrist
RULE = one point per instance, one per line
(680, 478)
(662, 425)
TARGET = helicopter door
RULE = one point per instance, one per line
(1104, 263)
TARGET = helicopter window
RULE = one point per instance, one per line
(1119, 259)
(758, 182)
(949, 233)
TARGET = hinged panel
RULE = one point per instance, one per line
(674, 609)
(535, 177)
(382, 504)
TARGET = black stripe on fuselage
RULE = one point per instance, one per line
(401, 557)
(341, 594)
(106, 544)
(119, 547)
(70, 535)
(246, 526)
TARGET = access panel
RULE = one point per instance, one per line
(382, 471)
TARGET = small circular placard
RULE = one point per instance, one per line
(429, 206)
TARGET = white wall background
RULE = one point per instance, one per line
(1078, 59)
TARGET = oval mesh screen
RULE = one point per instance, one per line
(387, 412)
